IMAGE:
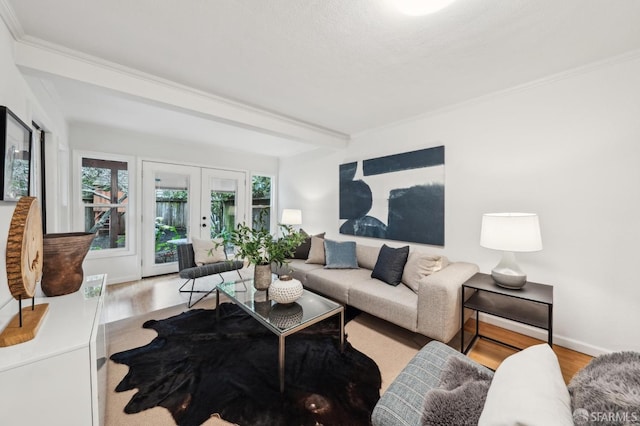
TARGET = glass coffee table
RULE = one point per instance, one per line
(282, 320)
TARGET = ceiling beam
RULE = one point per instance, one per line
(42, 57)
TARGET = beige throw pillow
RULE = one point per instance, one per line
(316, 252)
(367, 256)
(528, 389)
(208, 251)
(420, 265)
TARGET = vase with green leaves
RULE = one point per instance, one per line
(262, 249)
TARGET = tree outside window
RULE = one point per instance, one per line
(105, 196)
(261, 202)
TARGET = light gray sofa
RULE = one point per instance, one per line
(432, 310)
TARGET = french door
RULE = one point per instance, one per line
(180, 202)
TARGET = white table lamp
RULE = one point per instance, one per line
(510, 232)
(291, 217)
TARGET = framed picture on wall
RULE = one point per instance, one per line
(396, 197)
(15, 141)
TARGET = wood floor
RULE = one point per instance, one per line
(139, 297)
(135, 298)
(492, 354)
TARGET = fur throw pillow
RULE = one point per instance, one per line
(460, 398)
(608, 384)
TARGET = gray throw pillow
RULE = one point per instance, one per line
(390, 264)
(340, 254)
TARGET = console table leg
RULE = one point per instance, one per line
(550, 326)
(462, 322)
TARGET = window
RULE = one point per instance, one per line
(105, 201)
(261, 202)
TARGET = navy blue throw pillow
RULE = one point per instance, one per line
(390, 264)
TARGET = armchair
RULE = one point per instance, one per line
(188, 270)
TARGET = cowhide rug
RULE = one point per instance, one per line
(198, 366)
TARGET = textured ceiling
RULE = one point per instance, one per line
(346, 65)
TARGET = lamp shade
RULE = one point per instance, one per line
(291, 217)
(518, 232)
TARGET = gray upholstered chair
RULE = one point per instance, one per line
(188, 270)
(402, 404)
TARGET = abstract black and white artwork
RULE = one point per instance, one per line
(395, 197)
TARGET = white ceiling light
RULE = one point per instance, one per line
(420, 7)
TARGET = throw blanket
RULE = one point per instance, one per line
(460, 397)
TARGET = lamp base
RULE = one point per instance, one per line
(513, 282)
(507, 273)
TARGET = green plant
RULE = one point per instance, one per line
(163, 233)
(259, 247)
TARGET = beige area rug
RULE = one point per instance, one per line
(391, 347)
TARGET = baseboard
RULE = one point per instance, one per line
(539, 334)
(122, 279)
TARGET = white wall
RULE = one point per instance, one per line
(567, 149)
(88, 137)
(17, 96)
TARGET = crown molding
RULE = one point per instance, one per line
(11, 20)
(335, 138)
(550, 79)
(309, 132)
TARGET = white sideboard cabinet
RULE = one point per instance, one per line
(59, 377)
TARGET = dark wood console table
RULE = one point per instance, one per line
(531, 305)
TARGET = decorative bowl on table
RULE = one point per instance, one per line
(285, 289)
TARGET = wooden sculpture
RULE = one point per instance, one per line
(24, 270)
